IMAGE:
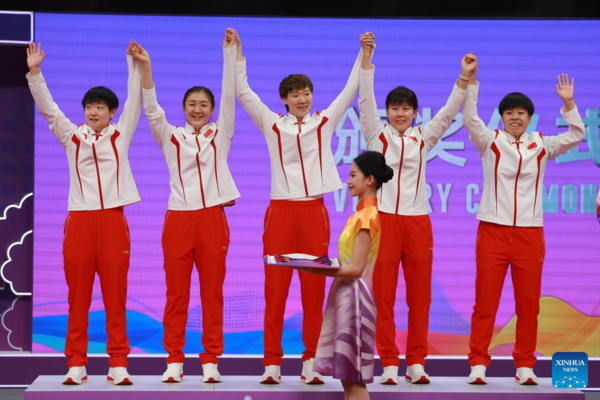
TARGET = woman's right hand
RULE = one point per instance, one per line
(229, 39)
(367, 42)
(35, 57)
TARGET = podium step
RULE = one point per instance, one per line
(146, 387)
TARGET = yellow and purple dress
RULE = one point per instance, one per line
(347, 341)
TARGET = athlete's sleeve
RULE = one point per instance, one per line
(262, 117)
(559, 144)
(479, 134)
(339, 106)
(160, 127)
(435, 129)
(133, 106)
(226, 121)
(370, 123)
(58, 123)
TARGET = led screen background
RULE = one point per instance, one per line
(89, 50)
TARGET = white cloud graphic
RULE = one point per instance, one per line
(12, 307)
(19, 243)
(28, 195)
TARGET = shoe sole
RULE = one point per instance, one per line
(70, 381)
(172, 380)
(124, 382)
(529, 381)
(422, 380)
(211, 380)
(315, 381)
(270, 381)
(390, 381)
(478, 381)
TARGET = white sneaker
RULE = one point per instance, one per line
(272, 375)
(119, 376)
(75, 376)
(210, 373)
(174, 373)
(416, 374)
(477, 376)
(309, 375)
(525, 376)
(390, 375)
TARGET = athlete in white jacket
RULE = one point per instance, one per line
(302, 171)
(406, 234)
(196, 229)
(511, 218)
(96, 232)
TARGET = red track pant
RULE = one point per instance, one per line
(97, 241)
(524, 249)
(294, 227)
(200, 236)
(407, 240)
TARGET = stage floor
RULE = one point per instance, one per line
(148, 387)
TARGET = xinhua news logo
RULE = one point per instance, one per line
(570, 370)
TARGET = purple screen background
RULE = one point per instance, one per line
(89, 50)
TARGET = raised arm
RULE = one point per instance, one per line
(58, 123)
(435, 129)
(133, 106)
(160, 127)
(261, 115)
(370, 123)
(141, 56)
(339, 106)
(226, 121)
(559, 144)
(479, 134)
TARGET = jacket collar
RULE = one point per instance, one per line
(189, 129)
(397, 134)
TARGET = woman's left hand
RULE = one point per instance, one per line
(140, 54)
(566, 91)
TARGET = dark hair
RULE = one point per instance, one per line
(200, 89)
(372, 163)
(515, 100)
(294, 82)
(401, 95)
(100, 94)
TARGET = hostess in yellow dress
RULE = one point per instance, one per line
(347, 341)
